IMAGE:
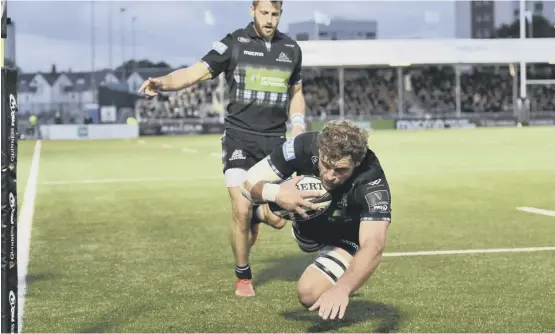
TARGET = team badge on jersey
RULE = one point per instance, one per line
(219, 47)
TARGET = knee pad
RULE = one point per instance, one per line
(331, 263)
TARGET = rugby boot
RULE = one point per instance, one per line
(244, 288)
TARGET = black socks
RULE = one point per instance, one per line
(243, 272)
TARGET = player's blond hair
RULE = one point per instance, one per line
(339, 139)
(275, 3)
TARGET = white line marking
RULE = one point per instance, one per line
(217, 155)
(537, 211)
(189, 150)
(140, 141)
(24, 229)
(166, 146)
(471, 170)
(135, 180)
(471, 251)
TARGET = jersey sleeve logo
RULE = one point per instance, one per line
(219, 47)
(289, 149)
(378, 201)
(374, 183)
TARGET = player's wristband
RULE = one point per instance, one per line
(298, 119)
(270, 192)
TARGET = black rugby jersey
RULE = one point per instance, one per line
(365, 196)
(259, 75)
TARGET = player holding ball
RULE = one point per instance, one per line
(343, 209)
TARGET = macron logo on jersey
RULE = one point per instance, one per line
(253, 53)
(289, 149)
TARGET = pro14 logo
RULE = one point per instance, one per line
(13, 108)
(13, 300)
(11, 198)
(13, 130)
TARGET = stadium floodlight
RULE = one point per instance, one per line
(522, 19)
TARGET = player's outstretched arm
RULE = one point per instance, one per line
(372, 236)
(297, 106)
(297, 110)
(176, 80)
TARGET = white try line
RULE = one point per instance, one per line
(471, 251)
(537, 211)
(24, 229)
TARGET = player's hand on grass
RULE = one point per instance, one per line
(332, 303)
(151, 86)
(293, 200)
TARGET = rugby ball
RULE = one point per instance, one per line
(323, 201)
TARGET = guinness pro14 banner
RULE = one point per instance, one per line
(9, 202)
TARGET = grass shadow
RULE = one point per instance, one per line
(288, 269)
(30, 279)
(110, 320)
(358, 311)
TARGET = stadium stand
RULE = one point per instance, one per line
(368, 92)
(373, 91)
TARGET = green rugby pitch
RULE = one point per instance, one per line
(131, 236)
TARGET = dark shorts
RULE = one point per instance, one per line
(312, 238)
(243, 150)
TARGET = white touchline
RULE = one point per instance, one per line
(24, 230)
(471, 251)
(537, 211)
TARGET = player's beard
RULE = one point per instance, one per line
(329, 185)
(262, 31)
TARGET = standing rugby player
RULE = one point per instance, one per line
(262, 67)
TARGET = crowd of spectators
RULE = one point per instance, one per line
(193, 102)
(375, 91)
